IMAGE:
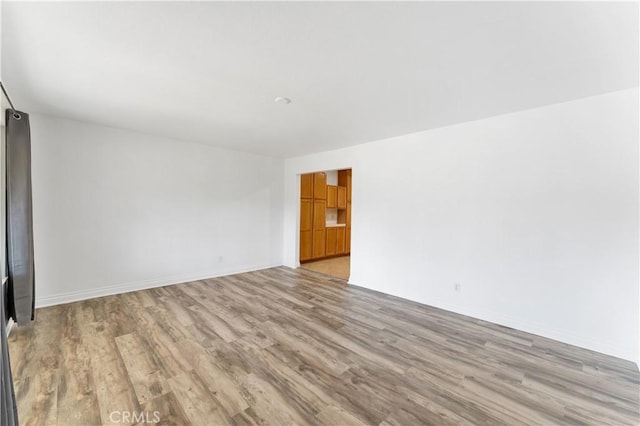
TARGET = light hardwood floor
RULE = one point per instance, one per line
(283, 346)
(337, 266)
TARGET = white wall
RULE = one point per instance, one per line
(332, 177)
(116, 210)
(534, 213)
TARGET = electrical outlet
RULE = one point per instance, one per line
(456, 287)
(220, 259)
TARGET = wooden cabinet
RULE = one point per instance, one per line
(347, 240)
(336, 240)
(306, 215)
(331, 241)
(306, 245)
(319, 250)
(313, 206)
(319, 214)
(336, 197)
(306, 228)
(342, 197)
(319, 227)
(344, 216)
(344, 179)
(320, 186)
(306, 185)
(340, 236)
(332, 196)
(347, 237)
(318, 241)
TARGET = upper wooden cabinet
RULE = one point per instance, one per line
(320, 185)
(332, 196)
(342, 197)
(306, 185)
(336, 197)
(344, 179)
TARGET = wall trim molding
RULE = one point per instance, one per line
(75, 296)
(559, 335)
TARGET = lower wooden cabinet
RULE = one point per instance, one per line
(331, 241)
(306, 245)
(336, 243)
(319, 243)
(347, 241)
(340, 243)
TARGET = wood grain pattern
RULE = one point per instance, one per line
(332, 196)
(306, 185)
(320, 186)
(284, 347)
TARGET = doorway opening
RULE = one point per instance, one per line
(325, 222)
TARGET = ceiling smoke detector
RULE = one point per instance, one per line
(282, 100)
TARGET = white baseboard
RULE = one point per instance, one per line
(538, 329)
(563, 336)
(75, 296)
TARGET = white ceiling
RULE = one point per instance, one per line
(356, 72)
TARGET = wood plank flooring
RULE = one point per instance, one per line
(284, 346)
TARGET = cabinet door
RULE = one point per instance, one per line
(347, 241)
(344, 179)
(306, 245)
(340, 234)
(342, 197)
(331, 241)
(332, 196)
(306, 185)
(319, 243)
(306, 215)
(320, 186)
(306, 229)
(319, 214)
(348, 222)
(319, 226)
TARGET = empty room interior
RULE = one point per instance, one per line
(325, 213)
